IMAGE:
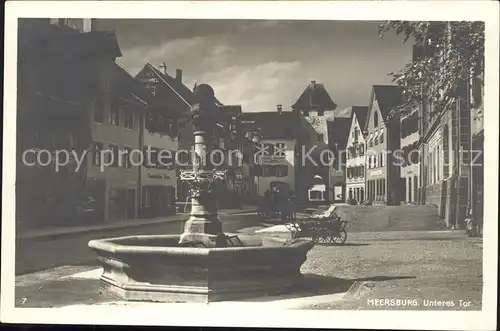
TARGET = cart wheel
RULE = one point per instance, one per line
(340, 238)
(323, 237)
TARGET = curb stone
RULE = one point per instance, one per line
(105, 227)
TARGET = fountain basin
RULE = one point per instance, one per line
(156, 268)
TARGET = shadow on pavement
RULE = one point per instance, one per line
(382, 278)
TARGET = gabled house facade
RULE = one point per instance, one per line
(285, 136)
(117, 119)
(410, 167)
(338, 133)
(171, 92)
(356, 146)
(383, 175)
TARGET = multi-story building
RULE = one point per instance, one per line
(171, 92)
(318, 107)
(60, 65)
(117, 128)
(285, 139)
(410, 167)
(178, 99)
(158, 178)
(356, 145)
(338, 134)
(383, 181)
(448, 135)
(477, 165)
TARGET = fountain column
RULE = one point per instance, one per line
(203, 225)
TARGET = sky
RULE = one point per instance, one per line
(260, 64)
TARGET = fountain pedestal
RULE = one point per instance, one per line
(198, 265)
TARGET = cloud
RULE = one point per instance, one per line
(256, 87)
(343, 112)
(135, 58)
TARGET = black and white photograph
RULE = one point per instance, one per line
(262, 164)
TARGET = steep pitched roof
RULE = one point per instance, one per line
(126, 85)
(387, 96)
(338, 132)
(361, 112)
(273, 125)
(315, 96)
(182, 91)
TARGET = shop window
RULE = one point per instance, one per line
(315, 195)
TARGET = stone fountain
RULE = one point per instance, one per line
(202, 264)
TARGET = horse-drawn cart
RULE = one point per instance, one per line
(326, 228)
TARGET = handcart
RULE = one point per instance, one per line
(326, 228)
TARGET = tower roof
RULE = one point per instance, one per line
(315, 97)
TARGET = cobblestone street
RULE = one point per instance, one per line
(410, 265)
(418, 266)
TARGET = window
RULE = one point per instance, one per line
(279, 149)
(381, 139)
(114, 113)
(275, 171)
(321, 112)
(381, 159)
(126, 158)
(356, 135)
(438, 168)
(375, 119)
(281, 171)
(96, 153)
(99, 111)
(375, 161)
(315, 195)
(477, 91)
(114, 155)
(268, 149)
(128, 118)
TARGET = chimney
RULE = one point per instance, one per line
(279, 109)
(178, 75)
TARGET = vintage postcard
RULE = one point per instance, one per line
(280, 164)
